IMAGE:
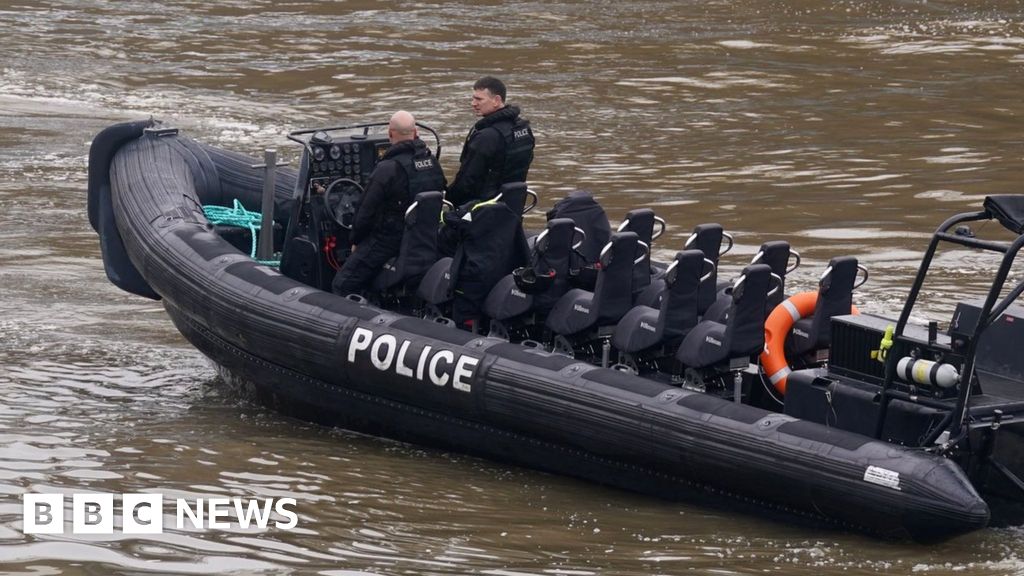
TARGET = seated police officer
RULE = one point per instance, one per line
(407, 169)
(498, 149)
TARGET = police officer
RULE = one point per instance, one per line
(407, 169)
(498, 149)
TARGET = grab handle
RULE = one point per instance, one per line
(642, 257)
(728, 237)
(861, 268)
(535, 197)
(710, 272)
(793, 253)
(664, 225)
(583, 236)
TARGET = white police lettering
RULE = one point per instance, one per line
(424, 164)
(442, 378)
(518, 294)
(388, 342)
(581, 309)
(648, 327)
(712, 340)
(800, 333)
(437, 366)
(521, 133)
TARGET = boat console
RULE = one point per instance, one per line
(334, 169)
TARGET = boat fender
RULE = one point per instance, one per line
(777, 327)
(389, 353)
(927, 372)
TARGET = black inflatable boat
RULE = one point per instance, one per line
(682, 414)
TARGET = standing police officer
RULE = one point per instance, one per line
(498, 149)
(407, 169)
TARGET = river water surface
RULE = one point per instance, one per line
(846, 127)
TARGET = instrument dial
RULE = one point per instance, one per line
(335, 152)
(318, 154)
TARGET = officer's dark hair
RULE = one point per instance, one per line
(496, 87)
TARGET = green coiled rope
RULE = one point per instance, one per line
(240, 217)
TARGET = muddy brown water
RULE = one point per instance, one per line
(847, 127)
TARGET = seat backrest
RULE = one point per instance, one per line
(513, 194)
(641, 222)
(708, 239)
(491, 245)
(552, 252)
(775, 254)
(613, 293)
(418, 250)
(744, 325)
(581, 207)
(679, 303)
(835, 297)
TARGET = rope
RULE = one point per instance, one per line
(239, 217)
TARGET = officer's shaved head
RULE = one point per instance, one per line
(402, 126)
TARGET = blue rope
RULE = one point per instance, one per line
(240, 217)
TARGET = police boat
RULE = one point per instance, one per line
(573, 352)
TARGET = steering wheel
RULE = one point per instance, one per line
(349, 197)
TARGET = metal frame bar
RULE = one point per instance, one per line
(990, 312)
(294, 135)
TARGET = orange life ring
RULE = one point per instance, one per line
(777, 327)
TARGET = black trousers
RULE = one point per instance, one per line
(363, 265)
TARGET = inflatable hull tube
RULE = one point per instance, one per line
(119, 268)
(329, 359)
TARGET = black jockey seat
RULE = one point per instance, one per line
(581, 207)
(708, 239)
(534, 288)
(418, 251)
(580, 310)
(644, 327)
(776, 254)
(490, 244)
(641, 221)
(835, 298)
(742, 335)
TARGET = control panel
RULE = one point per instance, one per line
(351, 157)
(334, 171)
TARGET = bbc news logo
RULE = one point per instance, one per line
(94, 513)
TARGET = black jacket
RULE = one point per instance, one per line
(498, 150)
(389, 192)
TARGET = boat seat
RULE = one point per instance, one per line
(436, 286)
(708, 239)
(490, 245)
(776, 254)
(644, 327)
(549, 266)
(835, 297)
(641, 221)
(418, 251)
(579, 310)
(742, 335)
(515, 195)
(588, 215)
